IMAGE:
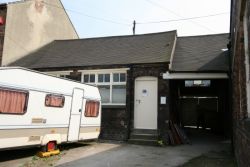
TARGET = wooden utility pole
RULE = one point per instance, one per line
(134, 24)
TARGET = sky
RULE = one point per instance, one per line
(98, 18)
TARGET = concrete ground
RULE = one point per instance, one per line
(124, 155)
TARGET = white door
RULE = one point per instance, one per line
(145, 114)
(75, 116)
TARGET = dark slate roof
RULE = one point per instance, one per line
(201, 54)
(118, 50)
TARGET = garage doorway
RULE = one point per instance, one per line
(199, 112)
(201, 105)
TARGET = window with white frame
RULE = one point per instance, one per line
(112, 85)
(89, 78)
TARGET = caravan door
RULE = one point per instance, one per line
(75, 115)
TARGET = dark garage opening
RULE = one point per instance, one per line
(201, 106)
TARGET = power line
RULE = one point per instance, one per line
(183, 19)
(176, 14)
(86, 15)
(109, 12)
(150, 22)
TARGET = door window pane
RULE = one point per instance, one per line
(119, 94)
(105, 93)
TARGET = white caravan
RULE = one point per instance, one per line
(39, 109)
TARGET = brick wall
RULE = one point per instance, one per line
(241, 122)
(155, 70)
(118, 121)
(114, 124)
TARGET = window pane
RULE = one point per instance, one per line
(116, 77)
(92, 108)
(107, 77)
(189, 83)
(197, 82)
(92, 78)
(122, 77)
(13, 102)
(86, 78)
(100, 77)
(119, 94)
(54, 100)
(105, 93)
(206, 83)
(65, 76)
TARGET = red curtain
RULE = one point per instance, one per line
(92, 108)
(54, 101)
(12, 102)
(1, 20)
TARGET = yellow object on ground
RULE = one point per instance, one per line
(47, 154)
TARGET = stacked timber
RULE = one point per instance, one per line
(177, 135)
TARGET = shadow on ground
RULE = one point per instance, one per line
(12, 154)
(212, 159)
(17, 154)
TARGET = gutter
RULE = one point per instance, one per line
(194, 75)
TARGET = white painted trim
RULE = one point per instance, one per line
(168, 75)
(58, 73)
(172, 53)
(104, 70)
(114, 104)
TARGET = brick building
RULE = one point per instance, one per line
(129, 70)
(116, 65)
(239, 46)
(199, 83)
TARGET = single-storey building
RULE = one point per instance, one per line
(128, 71)
(143, 78)
(199, 83)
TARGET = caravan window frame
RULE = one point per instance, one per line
(25, 104)
(56, 95)
(98, 109)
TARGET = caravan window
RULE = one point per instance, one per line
(13, 101)
(54, 100)
(92, 108)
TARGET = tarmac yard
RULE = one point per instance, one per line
(207, 151)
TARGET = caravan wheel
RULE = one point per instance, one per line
(51, 146)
